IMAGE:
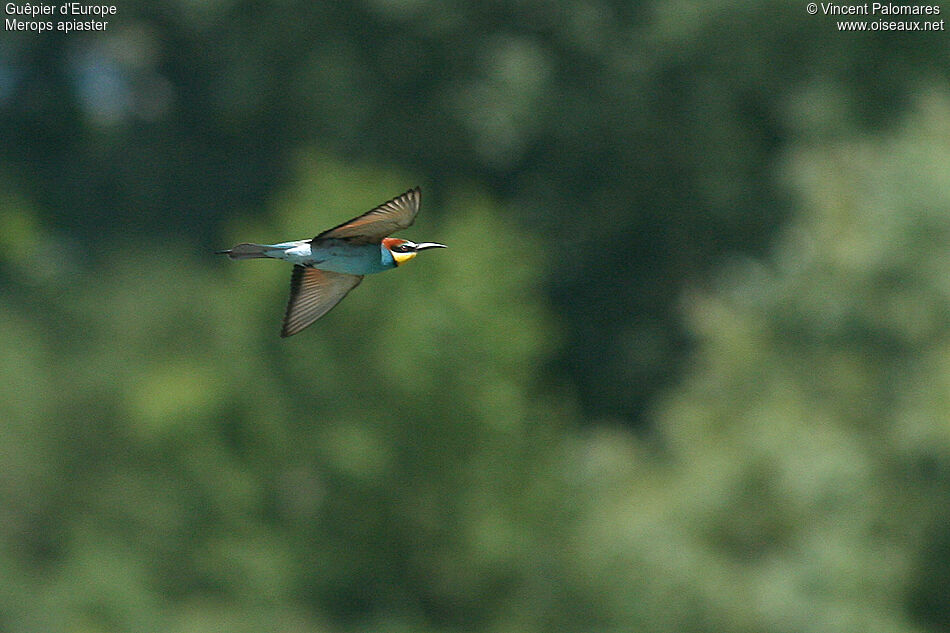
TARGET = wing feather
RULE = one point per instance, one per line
(389, 217)
(313, 293)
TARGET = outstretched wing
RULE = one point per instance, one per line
(313, 293)
(385, 219)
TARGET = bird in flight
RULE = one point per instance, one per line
(335, 261)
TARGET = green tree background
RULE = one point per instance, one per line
(684, 367)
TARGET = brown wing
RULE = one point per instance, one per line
(385, 219)
(313, 293)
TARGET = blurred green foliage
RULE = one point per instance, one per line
(682, 368)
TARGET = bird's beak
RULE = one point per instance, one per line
(425, 245)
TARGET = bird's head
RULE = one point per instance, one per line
(404, 250)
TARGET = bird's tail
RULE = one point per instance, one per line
(247, 251)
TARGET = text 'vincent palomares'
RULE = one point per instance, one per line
(878, 8)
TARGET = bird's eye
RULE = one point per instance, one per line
(402, 248)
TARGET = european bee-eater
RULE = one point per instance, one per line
(334, 262)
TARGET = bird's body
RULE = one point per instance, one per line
(335, 255)
(328, 266)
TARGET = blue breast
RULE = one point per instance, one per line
(386, 260)
(354, 259)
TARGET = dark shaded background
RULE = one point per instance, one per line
(683, 368)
